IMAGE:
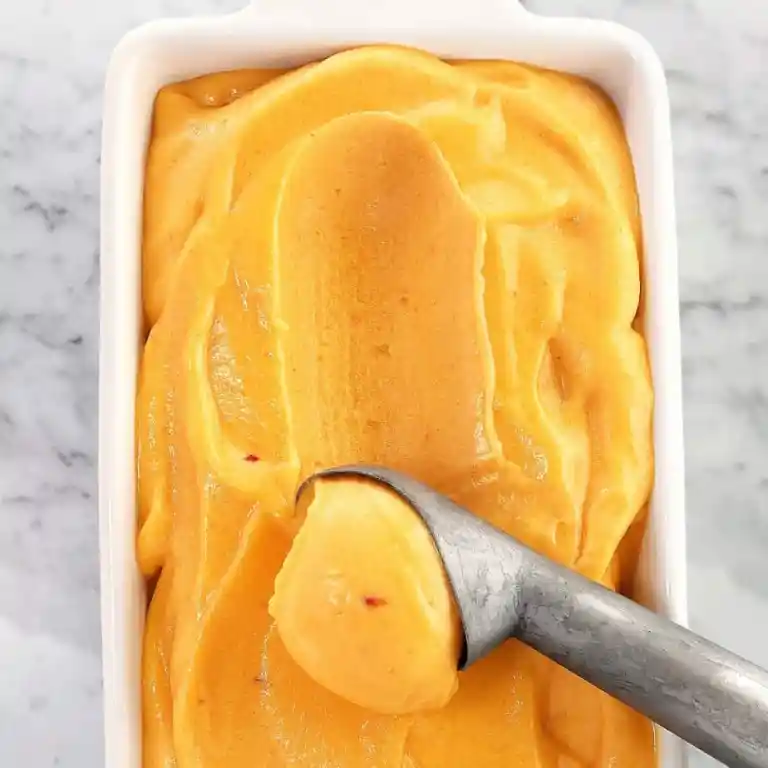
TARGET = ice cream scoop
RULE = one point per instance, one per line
(708, 696)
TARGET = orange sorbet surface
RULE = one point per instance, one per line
(363, 604)
(386, 258)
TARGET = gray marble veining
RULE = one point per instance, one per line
(52, 59)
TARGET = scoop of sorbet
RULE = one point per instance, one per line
(362, 602)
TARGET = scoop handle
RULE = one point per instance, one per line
(708, 696)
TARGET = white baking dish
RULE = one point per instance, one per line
(291, 32)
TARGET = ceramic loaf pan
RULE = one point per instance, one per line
(282, 33)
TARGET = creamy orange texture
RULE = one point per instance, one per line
(363, 605)
(382, 257)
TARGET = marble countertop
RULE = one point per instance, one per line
(52, 60)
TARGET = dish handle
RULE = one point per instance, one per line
(346, 14)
